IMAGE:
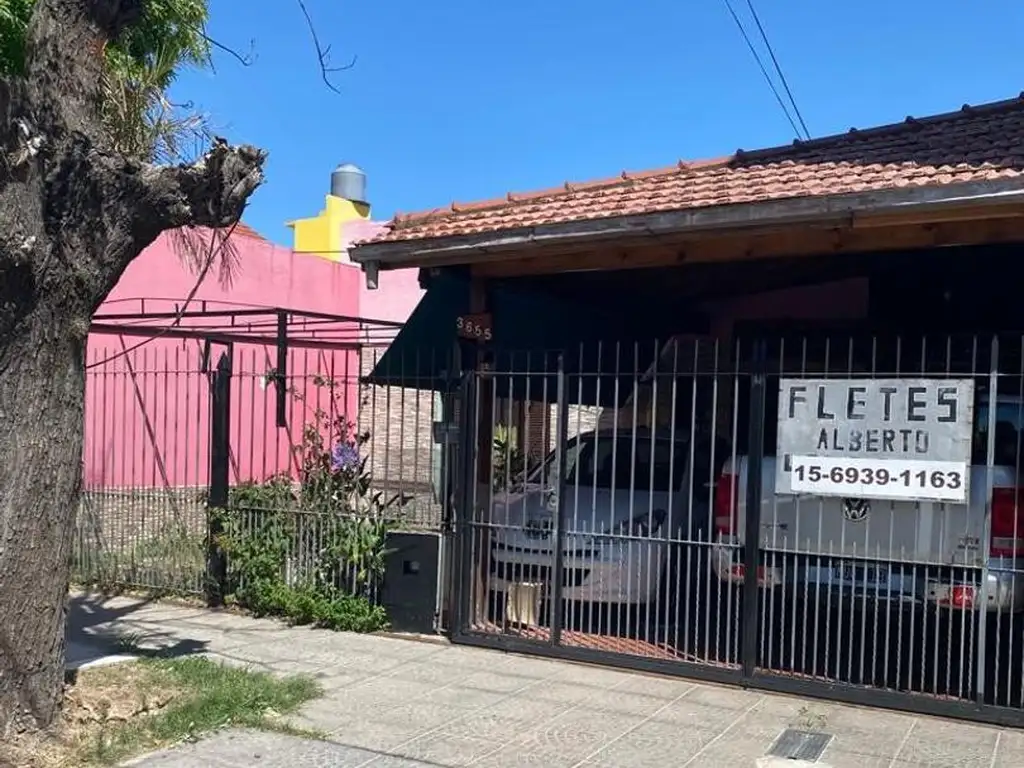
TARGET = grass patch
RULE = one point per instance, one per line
(116, 712)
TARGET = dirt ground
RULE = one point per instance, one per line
(100, 700)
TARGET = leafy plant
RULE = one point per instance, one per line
(140, 66)
(507, 460)
(313, 550)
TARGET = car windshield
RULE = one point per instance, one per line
(1009, 418)
(619, 463)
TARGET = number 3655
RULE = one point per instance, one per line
(474, 330)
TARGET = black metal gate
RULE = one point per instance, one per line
(602, 499)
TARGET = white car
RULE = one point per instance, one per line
(625, 500)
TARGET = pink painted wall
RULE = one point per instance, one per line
(267, 275)
(147, 410)
(398, 291)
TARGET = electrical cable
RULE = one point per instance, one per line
(760, 64)
(778, 69)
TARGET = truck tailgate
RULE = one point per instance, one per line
(908, 531)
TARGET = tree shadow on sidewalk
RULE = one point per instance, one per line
(93, 634)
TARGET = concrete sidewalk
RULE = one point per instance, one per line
(393, 702)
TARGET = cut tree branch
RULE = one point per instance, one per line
(211, 192)
(125, 206)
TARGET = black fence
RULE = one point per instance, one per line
(833, 516)
(638, 504)
(227, 447)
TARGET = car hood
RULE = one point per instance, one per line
(586, 510)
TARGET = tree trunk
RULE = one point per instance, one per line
(42, 394)
(74, 213)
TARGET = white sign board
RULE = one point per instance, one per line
(900, 439)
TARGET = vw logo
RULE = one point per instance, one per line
(856, 510)
(538, 529)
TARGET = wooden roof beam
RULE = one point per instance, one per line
(750, 246)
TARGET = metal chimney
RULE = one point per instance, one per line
(349, 183)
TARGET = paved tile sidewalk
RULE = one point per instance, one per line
(392, 702)
(243, 749)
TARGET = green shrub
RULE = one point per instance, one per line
(312, 551)
(307, 604)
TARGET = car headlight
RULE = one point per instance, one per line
(645, 524)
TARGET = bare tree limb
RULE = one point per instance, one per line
(323, 53)
(245, 59)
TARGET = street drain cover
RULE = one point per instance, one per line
(800, 745)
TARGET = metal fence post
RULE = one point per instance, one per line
(463, 573)
(448, 550)
(986, 537)
(220, 449)
(281, 370)
(752, 520)
(562, 437)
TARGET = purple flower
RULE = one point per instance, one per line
(345, 456)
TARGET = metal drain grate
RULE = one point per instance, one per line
(800, 745)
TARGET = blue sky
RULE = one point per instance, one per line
(468, 100)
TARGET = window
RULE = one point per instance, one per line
(621, 463)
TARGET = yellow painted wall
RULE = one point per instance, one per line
(321, 234)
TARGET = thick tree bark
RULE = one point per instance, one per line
(41, 401)
(73, 215)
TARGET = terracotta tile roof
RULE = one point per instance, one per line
(972, 144)
(244, 230)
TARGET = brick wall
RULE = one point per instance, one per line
(400, 455)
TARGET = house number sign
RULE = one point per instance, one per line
(478, 327)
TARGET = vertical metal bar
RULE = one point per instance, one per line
(250, 379)
(561, 439)
(1012, 698)
(732, 604)
(220, 449)
(450, 552)
(446, 471)
(752, 527)
(465, 572)
(986, 536)
(702, 597)
(281, 369)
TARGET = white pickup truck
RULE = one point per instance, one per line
(904, 551)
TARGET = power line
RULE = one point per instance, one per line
(760, 64)
(778, 69)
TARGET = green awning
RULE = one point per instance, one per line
(597, 339)
(422, 354)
